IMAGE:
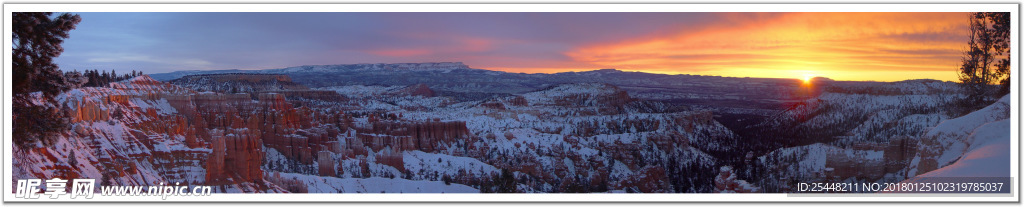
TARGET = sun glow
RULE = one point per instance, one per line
(858, 46)
(807, 79)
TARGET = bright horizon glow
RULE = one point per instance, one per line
(845, 46)
(880, 76)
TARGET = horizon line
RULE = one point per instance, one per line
(566, 71)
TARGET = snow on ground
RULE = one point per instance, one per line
(161, 105)
(810, 159)
(416, 161)
(953, 134)
(550, 96)
(317, 184)
(988, 155)
(620, 171)
(974, 145)
(387, 98)
(964, 124)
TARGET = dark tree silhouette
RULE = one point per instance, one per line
(986, 61)
(93, 78)
(500, 183)
(36, 41)
(1001, 34)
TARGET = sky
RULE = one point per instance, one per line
(840, 46)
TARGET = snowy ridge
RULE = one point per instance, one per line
(390, 98)
(237, 83)
(438, 66)
(987, 156)
(419, 161)
(580, 94)
(954, 139)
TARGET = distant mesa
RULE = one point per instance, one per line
(603, 71)
(427, 66)
(821, 79)
(238, 82)
(253, 84)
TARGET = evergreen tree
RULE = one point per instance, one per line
(36, 40)
(979, 69)
(505, 182)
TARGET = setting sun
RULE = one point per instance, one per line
(807, 79)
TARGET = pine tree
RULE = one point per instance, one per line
(36, 40)
(979, 69)
(505, 182)
(72, 160)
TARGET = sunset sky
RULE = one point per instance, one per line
(840, 46)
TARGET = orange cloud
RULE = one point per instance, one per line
(842, 46)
